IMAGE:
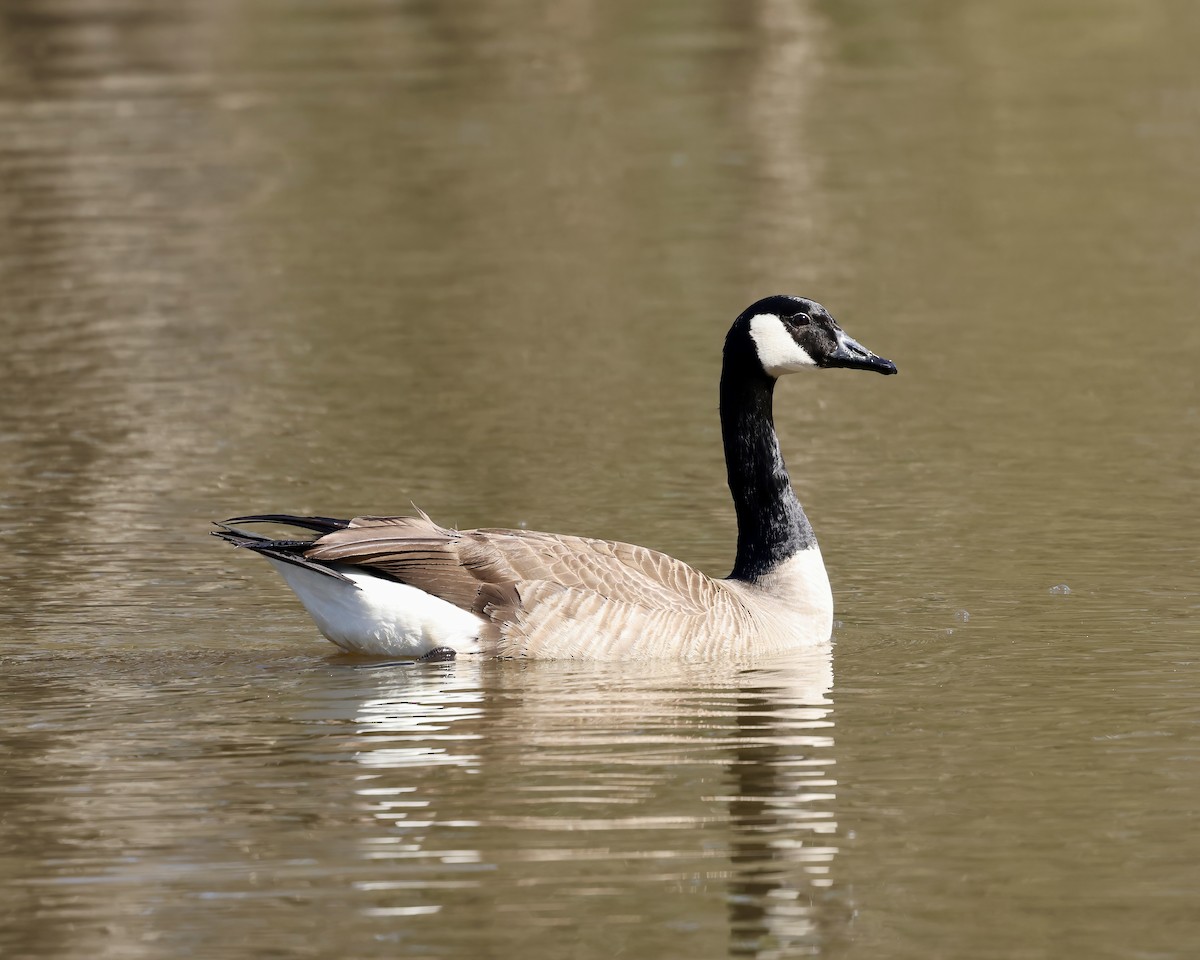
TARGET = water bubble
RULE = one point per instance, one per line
(962, 616)
(1060, 589)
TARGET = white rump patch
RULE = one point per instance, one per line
(777, 351)
(379, 616)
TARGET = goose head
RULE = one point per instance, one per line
(787, 334)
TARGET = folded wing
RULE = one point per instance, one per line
(543, 595)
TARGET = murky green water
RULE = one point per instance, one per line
(342, 258)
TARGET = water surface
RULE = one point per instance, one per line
(274, 257)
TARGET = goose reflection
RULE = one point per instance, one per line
(677, 808)
(781, 814)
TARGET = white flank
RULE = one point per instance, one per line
(378, 616)
(777, 351)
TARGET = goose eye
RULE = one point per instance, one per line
(801, 319)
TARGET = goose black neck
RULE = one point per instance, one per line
(772, 526)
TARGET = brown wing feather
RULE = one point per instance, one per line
(413, 550)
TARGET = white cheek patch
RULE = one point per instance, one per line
(777, 351)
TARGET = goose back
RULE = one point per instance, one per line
(543, 595)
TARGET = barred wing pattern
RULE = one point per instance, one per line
(548, 596)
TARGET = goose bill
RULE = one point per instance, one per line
(850, 353)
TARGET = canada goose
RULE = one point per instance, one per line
(406, 586)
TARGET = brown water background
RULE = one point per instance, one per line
(344, 257)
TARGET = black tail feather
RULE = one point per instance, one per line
(316, 524)
(288, 551)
